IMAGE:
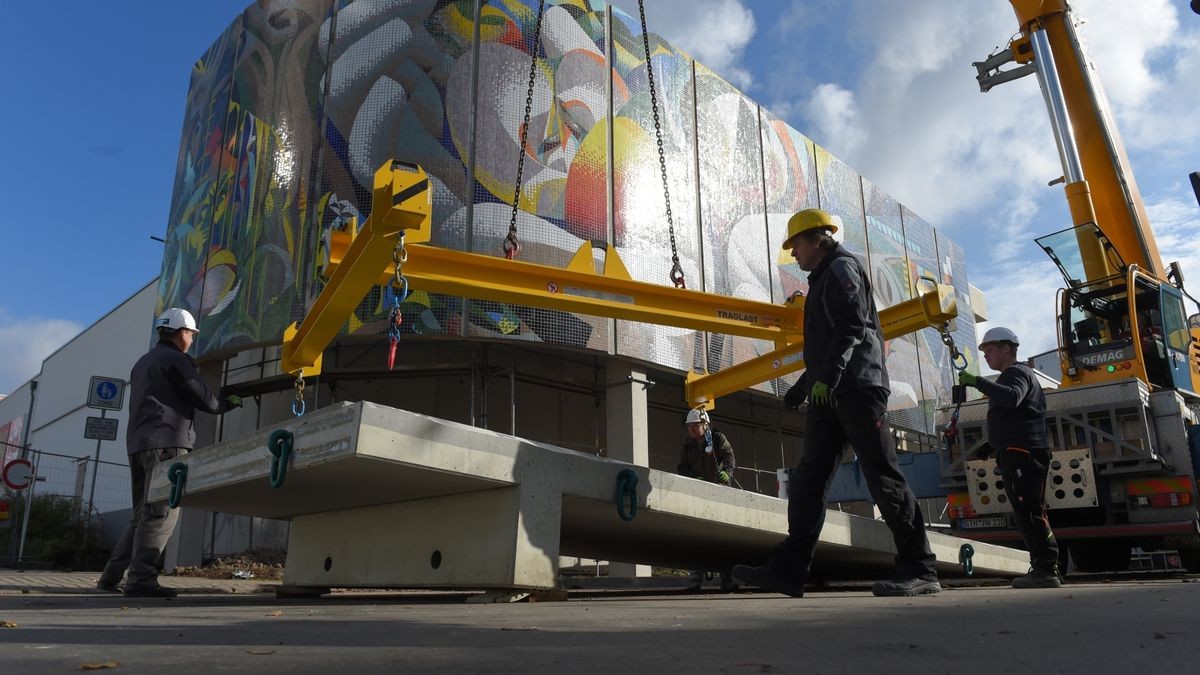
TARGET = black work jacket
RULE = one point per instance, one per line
(843, 341)
(166, 390)
(1016, 415)
(694, 462)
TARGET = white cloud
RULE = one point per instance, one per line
(1022, 300)
(1150, 65)
(835, 116)
(714, 32)
(1177, 230)
(912, 120)
(25, 342)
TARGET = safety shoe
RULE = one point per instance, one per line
(107, 587)
(1037, 579)
(905, 586)
(767, 579)
(155, 591)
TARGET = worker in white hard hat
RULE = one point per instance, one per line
(707, 455)
(1016, 431)
(847, 387)
(165, 392)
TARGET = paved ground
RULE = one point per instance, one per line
(1124, 625)
(14, 582)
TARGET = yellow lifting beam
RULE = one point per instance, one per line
(400, 205)
(933, 307)
(400, 201)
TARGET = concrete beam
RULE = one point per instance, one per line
(384, 493)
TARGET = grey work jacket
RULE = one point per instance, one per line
(1016, 416)
(166, 390)
(696, 463)
(843, 341)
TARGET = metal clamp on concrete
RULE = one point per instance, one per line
(177, 474)
(280, 445)
(627, 481)
(965, 553)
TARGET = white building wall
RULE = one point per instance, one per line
(15, 408)
(107, 348)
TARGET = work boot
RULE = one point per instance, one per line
(107, 587)
(1037, 579)
(768, 579)
(906, 586)
(728, 584)
(154, 591)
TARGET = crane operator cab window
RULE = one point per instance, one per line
(1107, 332)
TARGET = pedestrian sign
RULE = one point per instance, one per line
(106, 393)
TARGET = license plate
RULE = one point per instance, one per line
(977, 523)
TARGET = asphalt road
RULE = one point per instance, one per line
(1112, 627)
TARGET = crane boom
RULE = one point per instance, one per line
(1089, 145)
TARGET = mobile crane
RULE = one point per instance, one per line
(1125, 453)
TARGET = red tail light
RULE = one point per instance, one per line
(1168, 500)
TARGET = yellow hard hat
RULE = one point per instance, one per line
(808, 219)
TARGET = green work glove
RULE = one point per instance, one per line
(234, 401)
(967, 378)
(820, 394)
(723, 476)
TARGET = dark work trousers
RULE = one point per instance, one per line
(857, 418)
(1024, 474)
(149, 528)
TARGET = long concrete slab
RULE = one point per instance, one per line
(385, 497)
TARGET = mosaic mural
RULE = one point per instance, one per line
(297, 103)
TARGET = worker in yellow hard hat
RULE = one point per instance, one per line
(847, 387)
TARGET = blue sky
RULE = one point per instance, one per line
(95, 102)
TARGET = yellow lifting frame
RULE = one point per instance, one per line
(933, 307)
(401, 203)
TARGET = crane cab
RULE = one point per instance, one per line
(1124, 323)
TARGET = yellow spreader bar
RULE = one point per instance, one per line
(933, 307)
(401, 202)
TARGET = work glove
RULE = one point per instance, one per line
(821, 395)
(723, 476)
(794, 398)
(234, 401)
(967, 378)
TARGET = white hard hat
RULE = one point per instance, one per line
(696, 415)
(999, 334)
(175, 319)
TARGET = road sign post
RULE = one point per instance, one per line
(105, 393)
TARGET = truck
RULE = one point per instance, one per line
(1123, 421)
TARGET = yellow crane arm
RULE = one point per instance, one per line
(933, 307)
(1098, 180)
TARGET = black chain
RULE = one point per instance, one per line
(676, 269)
(512, 246)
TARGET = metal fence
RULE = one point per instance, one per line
(56, 520)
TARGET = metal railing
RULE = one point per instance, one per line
(56, 520)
